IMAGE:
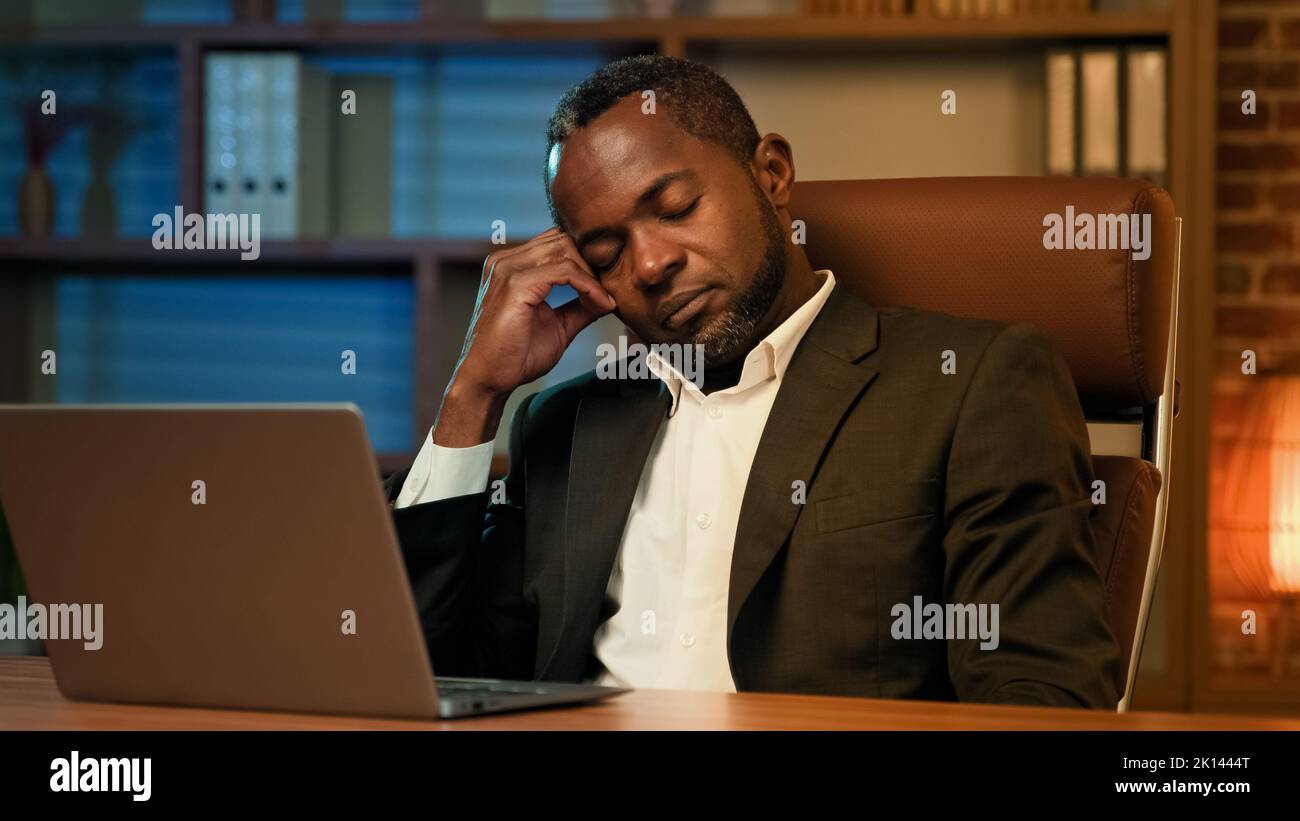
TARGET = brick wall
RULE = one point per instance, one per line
(1258, 220)
(1258, 225)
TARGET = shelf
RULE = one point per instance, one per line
(711, 30)
(383, 251)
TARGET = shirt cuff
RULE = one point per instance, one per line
(445, 473)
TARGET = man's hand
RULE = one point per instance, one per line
(515, 336)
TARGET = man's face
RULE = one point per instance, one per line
(673, 227)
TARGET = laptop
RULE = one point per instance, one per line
(244, 557)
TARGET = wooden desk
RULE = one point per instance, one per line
(30, 700)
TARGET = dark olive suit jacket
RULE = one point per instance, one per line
(968, 487)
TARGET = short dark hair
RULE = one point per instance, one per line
(698, 99)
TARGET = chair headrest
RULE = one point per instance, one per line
(976, 246)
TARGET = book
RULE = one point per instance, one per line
(1062, 70)
(250, 135)
(1145, 110)
(298, 141)
(220, 148)
(1100, 98)
(363, 158)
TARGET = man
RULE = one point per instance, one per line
(784, 525)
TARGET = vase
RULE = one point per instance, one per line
(36, 204)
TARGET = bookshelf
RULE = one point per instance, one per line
(444, 270)
(669, 35)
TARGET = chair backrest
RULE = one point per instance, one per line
(978, 246)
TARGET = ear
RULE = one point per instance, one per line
(773, 168)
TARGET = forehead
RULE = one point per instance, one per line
(603, 167)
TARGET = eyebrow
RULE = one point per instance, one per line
(650, 193)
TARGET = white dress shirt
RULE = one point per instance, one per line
(673, 570)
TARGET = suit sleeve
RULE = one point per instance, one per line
(1018, 533)
(465, 560)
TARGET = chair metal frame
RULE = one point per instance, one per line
(1162, 441)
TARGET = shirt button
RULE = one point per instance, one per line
(688, 640)
(715, 411)
(703, 521)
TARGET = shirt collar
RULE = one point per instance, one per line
(769, 358)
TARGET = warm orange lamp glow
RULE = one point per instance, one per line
(1284, 489)
(1257, 516)
(1259, 513)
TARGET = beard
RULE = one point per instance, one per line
(731, 333)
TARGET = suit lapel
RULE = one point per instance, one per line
(821, 384)
(612, 438)
(611, 441)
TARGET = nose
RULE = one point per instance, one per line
(656, 258)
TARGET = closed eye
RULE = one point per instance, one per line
(684, 212)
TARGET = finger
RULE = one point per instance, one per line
(540, 247)
(566, 272)
(549, 246)
(566, 250)
(574, 316)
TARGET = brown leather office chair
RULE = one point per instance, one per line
(974, 246)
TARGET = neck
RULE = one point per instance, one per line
(800, 285)
(722, 377)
